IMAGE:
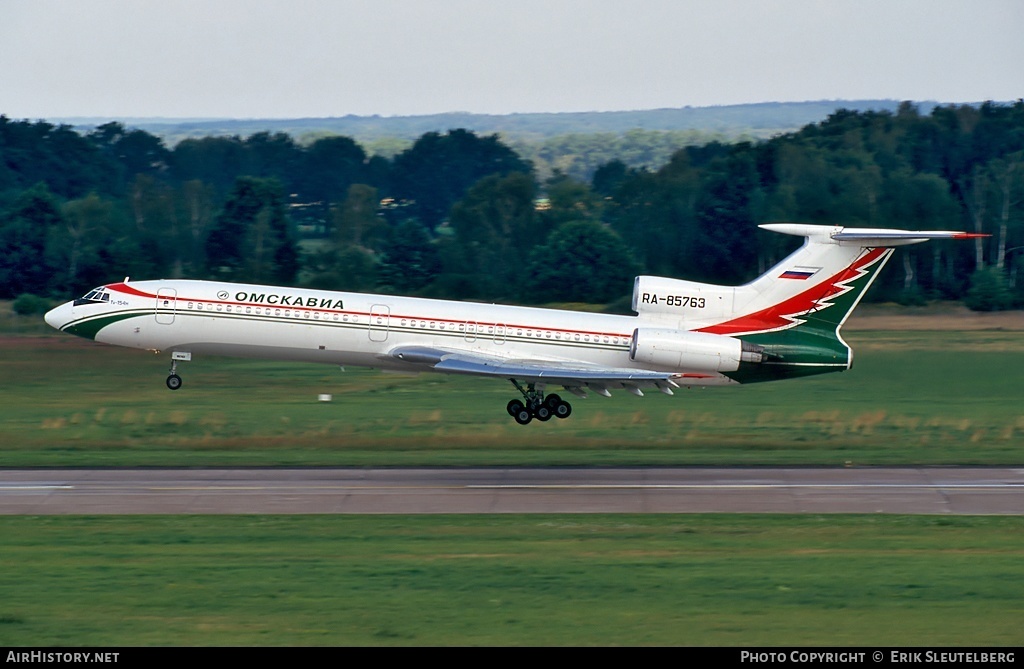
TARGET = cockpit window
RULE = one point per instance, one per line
(93, 296)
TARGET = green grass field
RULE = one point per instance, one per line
(912, 398)
(512, 580)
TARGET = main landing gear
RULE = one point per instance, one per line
(536, 405)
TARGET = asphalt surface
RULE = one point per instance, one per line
(909, 490)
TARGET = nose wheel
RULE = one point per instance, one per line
(173, 381)
(537, 406)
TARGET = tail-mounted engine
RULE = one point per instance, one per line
(691, 351)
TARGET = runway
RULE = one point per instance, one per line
(894, 490)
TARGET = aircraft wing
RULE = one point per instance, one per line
(573, 375)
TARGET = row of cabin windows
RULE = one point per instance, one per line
(274, 311)
(519, 332)
(423, 324)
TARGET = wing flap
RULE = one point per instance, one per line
(570, 374)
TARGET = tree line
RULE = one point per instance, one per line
(461, 215)
(760, 120)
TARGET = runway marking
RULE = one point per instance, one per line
(305, 487)
(741, 486)
(560, 486)
(121, 488)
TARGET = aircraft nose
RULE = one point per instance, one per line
(58, 316)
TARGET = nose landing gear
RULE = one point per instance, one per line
(173, 380)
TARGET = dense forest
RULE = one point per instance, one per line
(464, 215)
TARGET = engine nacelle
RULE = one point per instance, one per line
(691, 351)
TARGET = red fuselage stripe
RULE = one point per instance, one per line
(124, 288)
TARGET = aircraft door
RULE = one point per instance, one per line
(380, 321)
(166, 305)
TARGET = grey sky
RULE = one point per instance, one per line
(302, 58)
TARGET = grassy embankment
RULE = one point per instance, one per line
(512, 580)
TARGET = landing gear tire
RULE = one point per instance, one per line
(174, 382)
(558, 407)
(523, 415)
(514, 407)
(542, 413)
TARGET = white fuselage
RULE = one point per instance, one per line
(278, 323)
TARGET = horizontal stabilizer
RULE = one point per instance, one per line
(900, 237)
(866, 237)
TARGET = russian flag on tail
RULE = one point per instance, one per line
(799, 273)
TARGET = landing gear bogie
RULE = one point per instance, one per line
(536, 405)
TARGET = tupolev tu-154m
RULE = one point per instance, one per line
(784, 324)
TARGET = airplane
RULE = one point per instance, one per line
(784, 324)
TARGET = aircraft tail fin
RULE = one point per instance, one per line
(821, 282)
(796, 309)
